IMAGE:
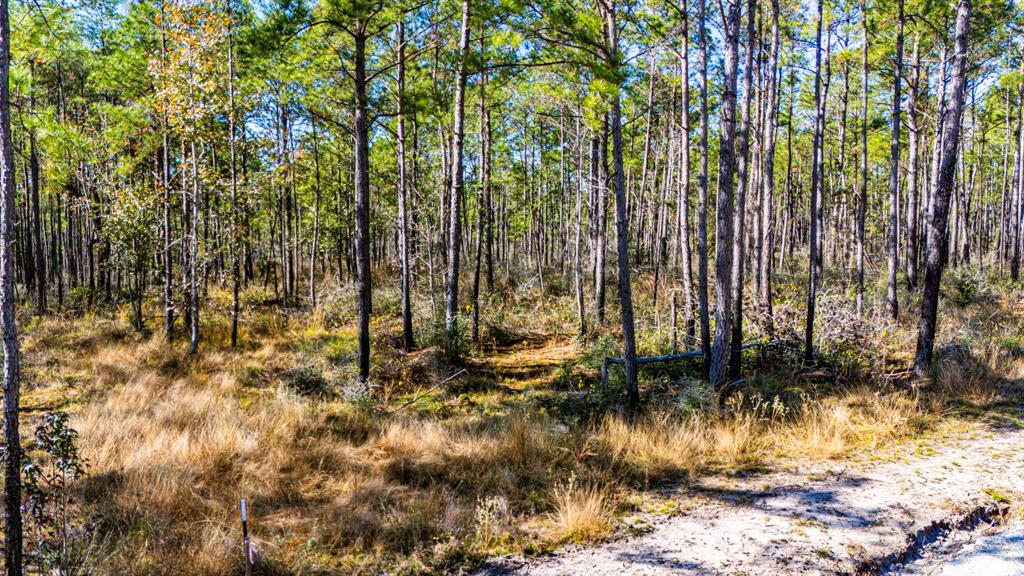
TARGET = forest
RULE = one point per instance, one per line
(510, 286)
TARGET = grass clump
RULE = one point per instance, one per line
(580, 512)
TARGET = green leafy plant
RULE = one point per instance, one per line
(58, 541)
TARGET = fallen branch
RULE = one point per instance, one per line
(442, 383)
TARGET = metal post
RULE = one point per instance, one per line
(246, 548)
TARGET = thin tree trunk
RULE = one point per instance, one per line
(684, 180)
(315, 245)
(362, 206)
(408, 341)
(1018, 198)
(12, 361)
(37, 235)
(720, 350)
(913, 195)
(621, 222)
(233, 236)
(485, 175)
(816, 160)
(767, 207)
(892, 301)
(601, 159)
(739, 221)
(702, 193)
(862, 205)
(577, 252)
(454, 226)
(934, 252)
(645, 162)
(193, 258)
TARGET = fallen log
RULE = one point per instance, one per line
(670, 357)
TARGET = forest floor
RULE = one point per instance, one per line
(511, 447)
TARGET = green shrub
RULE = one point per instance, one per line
(308, 381)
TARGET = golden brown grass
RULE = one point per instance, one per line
(750, 436)
(337, 484)
(581, 512)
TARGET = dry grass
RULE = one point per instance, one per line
(752, 434)
(581, 512)
(338, 485)
(861, 419)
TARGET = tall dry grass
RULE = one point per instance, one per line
(338, 485)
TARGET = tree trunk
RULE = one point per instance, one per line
(482, 195)
(816, 160)
(767, 206)
(645, 162)
(684, 180)
(12, 361)
(621, 222)
(168, 254)
(892, 302)
(233, 236)
(934, 251)
(362, 206)
(37, 224)
(719, 370)
(739, 221)
(600, 159)
(454, 226)
(193, 257)
(315, 245)
(581, 309)
(862, 204)
(702, 193)
(913, 195)
(408, 342)
(1017, 205)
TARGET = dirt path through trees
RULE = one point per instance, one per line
(523, 366)
(830, 518)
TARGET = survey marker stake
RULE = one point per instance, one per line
(246, 547)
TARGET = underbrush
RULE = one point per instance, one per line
(527, 453)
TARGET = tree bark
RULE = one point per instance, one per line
(913, 194)
(702, 193)
(362, 205)
(739, 238)
(168, 254)
(12, 360)
(37, 223)
(408, 341)
(581, 310)
(600, 169)
(193, 258)
(233, 236)
(455, 198)
(483, 193)
(720, 350)
(862, 204)
(611, 36)
(768, 205)
(684, 179)
(315, 244)
(935, 250)
(892, 301)
(816, 160)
